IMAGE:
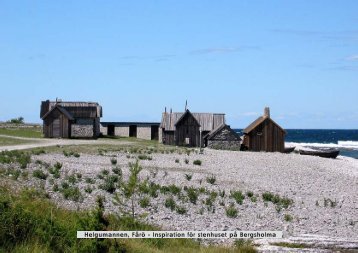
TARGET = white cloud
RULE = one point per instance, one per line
(352, 58)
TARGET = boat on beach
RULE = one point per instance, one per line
(289, 150)
(325, 154)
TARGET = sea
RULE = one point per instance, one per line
(346, 141)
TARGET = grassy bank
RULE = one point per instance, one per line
(8, 141)
(28, 132)
(29, 222)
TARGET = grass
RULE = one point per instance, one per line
(29, 132)
(291, 245)
(20, 157)
(277, 200)
(231, 211)
(211, 179)
(238, 196)
(170, 203)
(8, 141)
(39, 174)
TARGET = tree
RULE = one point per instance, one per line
(19, 120)
(130, 190)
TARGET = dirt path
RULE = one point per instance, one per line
(39, 142)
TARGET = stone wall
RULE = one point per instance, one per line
(160, 135)
(144, 132)
(83, 128)
(103, 130)
(225, 139)
(226, 145)
(121, 131)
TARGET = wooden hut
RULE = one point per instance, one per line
(70, 119)
(264, 134)
(223, 137)
(188, 129)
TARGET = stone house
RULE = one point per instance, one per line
(223, 137)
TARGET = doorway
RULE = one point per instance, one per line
(133, 131)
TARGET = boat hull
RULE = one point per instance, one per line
(325, 154)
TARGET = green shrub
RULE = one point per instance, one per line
(55, 188)
(197, 162)
(174, 189)
(231, 211)
(144, 157)
(186, 161)
(72, 193)
(192, 195)
(181, 210)
(20, 157)
(90, 180)
(249, 194)
(144, 202)
(222, 193)
(170, 203)
(88, 189)
(188, 176)
(76, 155)
(72, 179)
(117, 171)
(176, 160)
(288, 217)
(57, 165)
(113, 161)
(211, 179)
(109, 183)
(39, 174)
(238, 196)
(277, 200)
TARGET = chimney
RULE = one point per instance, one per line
(267, 112)
(165, 109)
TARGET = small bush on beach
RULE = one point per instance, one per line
(117, 170)
(144, 157)
(20, 157)
(197, 162)
(288, 217)
(181, 210)
(231, 211)
(113, 161)
(71, 193)
(39, 174)
(188, 176)
(88, 189)
(211, 179)
(238, 196)
(90, 180)
(170, 203)
(249, 194)
(144, 202)
(176, 160)
(186, 161)
(109, 183)
(192, 195)
(276, 199)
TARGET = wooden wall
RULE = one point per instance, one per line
(266, 137)
(56, 125)
(187, 127)
(168, 138)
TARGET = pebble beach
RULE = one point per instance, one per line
(324, 191)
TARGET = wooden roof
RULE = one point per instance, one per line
(61, 109)
(76, 109)
(218, 129)
(257, 122)
(207, 121)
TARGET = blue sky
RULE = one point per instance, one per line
(137, 57)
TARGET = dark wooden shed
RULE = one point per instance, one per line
(70, 119)
(185, 128)
(264, 134)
